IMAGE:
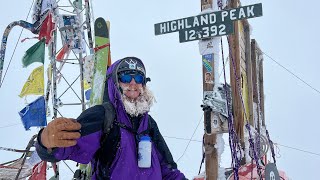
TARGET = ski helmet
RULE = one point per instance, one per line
(131, 64)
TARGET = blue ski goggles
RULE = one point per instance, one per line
(127, 76)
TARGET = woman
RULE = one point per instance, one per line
(113, 151)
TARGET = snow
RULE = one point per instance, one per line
(97, 83)
(88, 68)
(220, 149)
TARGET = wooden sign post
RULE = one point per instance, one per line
(208, 79)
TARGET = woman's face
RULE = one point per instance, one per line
(132, 90)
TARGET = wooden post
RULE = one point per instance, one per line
(259, 59)
(236, 99)
(234, 45)
(257, 79)
(241, 68)
(254, 75)
(211, 159)
(249, 70)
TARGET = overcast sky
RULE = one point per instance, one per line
(287, 32)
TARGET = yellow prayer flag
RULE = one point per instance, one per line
(86, 85)
(34, 84)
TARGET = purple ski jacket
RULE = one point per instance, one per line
(125, 164)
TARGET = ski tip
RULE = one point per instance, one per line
(101, 28)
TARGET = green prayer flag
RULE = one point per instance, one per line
(34, 54)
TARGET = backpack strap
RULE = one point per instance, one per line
(109, 116)
(109, 119)
(110, 141)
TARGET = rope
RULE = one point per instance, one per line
(30, 144)
(185, 139)
(14, 150)
(68, 167)
(35, 37)
(190, 139)
(275, 144)
(271, 146)
(301, 150)
(223, 66)
(233, 138)
(9, 125)
(245, 114)
(316, 90)
(203, 155)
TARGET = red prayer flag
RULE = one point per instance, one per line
(62, 53)
(39, 171)
(46, 28)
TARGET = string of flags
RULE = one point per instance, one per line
(45, 20)
(34, 114)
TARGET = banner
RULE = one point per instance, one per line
(34, 84)
(34, 114)
(39, 171)
(46, 29)
(34, 54)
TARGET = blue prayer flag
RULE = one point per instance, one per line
(88, 94)
(34, 114)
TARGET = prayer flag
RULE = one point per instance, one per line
(34, 54)
(39, 171)
(34, 84)
(88, 94)
(46, 28)
(34, 114)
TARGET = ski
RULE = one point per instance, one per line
(102, 49)
(102, 61)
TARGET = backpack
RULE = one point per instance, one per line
(109, 117)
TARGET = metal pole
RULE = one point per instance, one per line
(54, 73)
(79, 32)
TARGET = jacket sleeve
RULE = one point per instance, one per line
(91, 121)
(169, 168)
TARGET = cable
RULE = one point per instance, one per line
(178, 138)
(190, 139)
(292, 73)
(297, 149)
(1, 82)
(223, 67)
(68, 166)
(9, 125)
(186, 139)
